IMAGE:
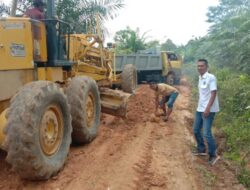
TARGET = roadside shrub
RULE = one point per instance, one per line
(234, 119)
(244, 177)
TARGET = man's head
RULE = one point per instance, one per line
(202, 66)
(39, 4)
(153, 86)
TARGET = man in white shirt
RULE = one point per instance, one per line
(208, 105)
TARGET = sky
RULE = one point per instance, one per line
(178, 20)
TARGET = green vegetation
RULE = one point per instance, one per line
(81, 14)
(4, 9)
(227, 47)
(208, 178)
(228, 42)
(130, 41)
(234, 119)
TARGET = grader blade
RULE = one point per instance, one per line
(114, 102)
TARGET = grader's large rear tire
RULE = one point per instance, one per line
(129, 78)
(38, 131)
(84, 99)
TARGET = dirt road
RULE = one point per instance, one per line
(140, 153)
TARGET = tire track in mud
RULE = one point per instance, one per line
(169, 163)
(131, 162)
(146, 177)
(141, 167)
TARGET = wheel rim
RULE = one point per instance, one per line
(90, 110)
(51, 130)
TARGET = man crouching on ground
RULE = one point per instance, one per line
(168, 94)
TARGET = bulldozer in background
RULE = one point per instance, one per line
(54, 86)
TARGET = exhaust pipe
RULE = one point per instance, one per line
(13, 8)
(51, 11)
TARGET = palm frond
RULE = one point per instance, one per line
(4, 9)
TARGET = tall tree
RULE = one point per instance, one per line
(4, 9)
(227, 43)
(81, 14)
(227, 9)
(130, 41)
(168, 45)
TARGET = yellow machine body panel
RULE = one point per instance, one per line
(84, 46)
(92, 59)
(22, 41)
(12, 80)
(170, 62)
(16, 47)
(176, 64)
(50, 73)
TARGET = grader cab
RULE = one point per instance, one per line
(54, 86)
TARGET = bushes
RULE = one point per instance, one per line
(234, 119)
(244, 177)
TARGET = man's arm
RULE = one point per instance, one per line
(210, 103)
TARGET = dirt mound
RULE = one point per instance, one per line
(141, 105)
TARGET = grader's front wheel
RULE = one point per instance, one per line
(38, 130)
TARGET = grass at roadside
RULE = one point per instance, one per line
(208, 178)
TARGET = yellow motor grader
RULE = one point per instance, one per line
(54, 86)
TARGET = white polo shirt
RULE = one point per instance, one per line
(207, 83)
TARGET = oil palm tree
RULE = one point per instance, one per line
(81, 14)
(4, 9)
(130, 41)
